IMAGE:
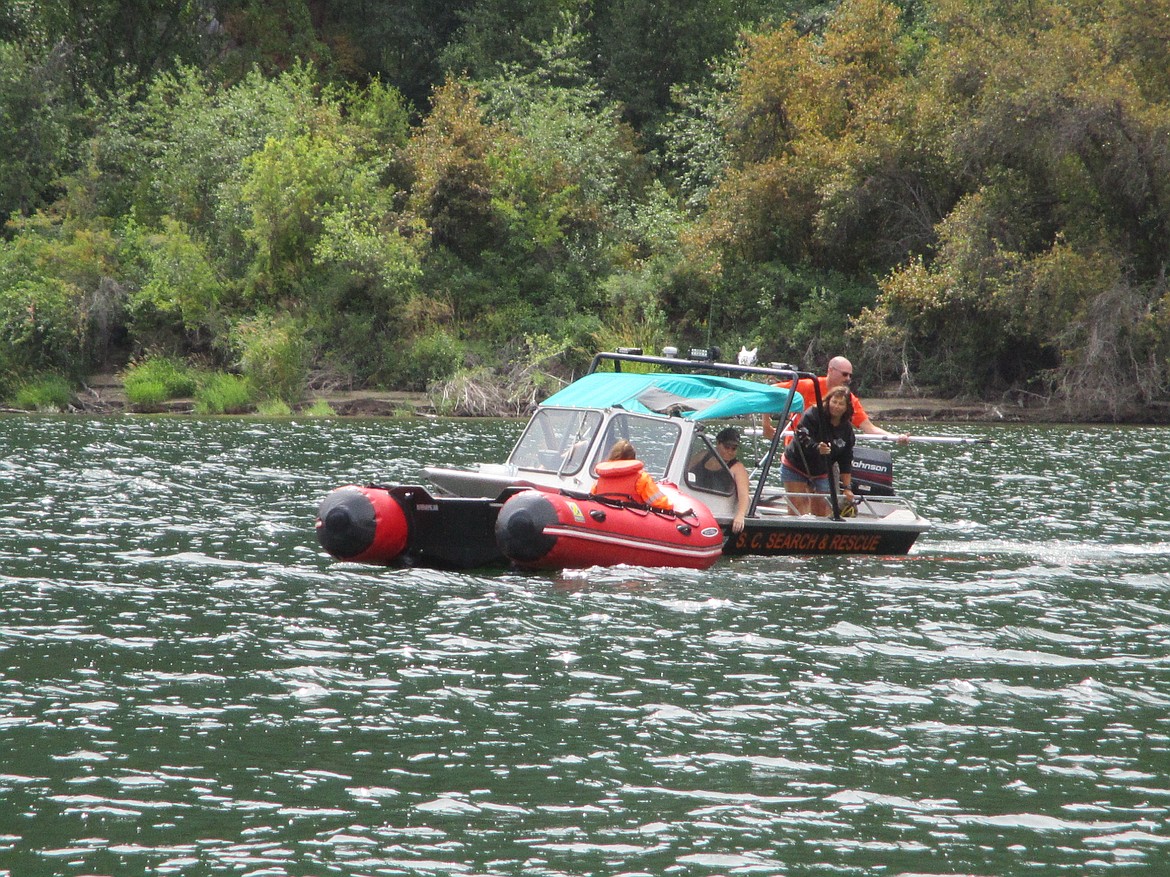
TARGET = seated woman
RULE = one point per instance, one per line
(823, 438)
(709, 472)
(627, 479)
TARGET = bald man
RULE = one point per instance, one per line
(840, 374)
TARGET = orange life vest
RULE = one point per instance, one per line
(625, 477)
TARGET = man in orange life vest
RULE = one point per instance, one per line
(840, 374)
(645, 489)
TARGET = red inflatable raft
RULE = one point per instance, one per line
(543, 528)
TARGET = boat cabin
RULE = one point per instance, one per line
(670, 418)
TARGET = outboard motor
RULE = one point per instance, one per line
(873, 472)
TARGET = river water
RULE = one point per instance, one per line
(189, 686)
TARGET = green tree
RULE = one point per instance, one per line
(400, 42)
(643, 48)
(501, 33)
(58, 297)
(36, 132)
(271, 36)
(181, 150)
(174, 301)
(108, 43)
(274, 356)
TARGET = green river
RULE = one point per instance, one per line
(189, 686)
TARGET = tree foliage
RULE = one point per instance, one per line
(1057, 247)
(970, 196)
(36, 134)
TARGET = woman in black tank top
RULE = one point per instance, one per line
(709, 474)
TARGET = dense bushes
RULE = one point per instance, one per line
(965, 200)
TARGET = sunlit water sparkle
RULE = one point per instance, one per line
(188, 686)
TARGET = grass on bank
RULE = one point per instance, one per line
(224, 393)
(150, 382)
(158, 379)
(319, 408)
(45, 393)
(273, 408)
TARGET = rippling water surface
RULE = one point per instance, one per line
(188, 686)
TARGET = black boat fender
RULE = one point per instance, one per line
(362, 524)
(520, 526)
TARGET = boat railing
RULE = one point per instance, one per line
(866, 508)
(779, 372)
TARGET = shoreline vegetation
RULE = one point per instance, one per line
(971, 198)
(104, 394)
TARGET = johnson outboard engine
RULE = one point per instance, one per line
(873, 472)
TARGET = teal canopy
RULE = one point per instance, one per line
(695, 397)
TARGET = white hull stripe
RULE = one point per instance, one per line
(634, 542)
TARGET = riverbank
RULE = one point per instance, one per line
(104, 394)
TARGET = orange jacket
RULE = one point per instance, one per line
(807, 392)
(625, 477)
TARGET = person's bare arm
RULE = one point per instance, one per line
(742, 497)
(871, 428)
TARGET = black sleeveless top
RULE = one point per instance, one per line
(713, 479)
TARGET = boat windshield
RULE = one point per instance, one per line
(706, 470)
(654, 440)
(556, 440)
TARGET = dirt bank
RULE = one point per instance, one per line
(929, 409)
(103, 394)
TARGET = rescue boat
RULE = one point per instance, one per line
(669, 409)
(545, 528)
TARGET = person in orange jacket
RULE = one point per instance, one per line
(643, 488)
(839, 374)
